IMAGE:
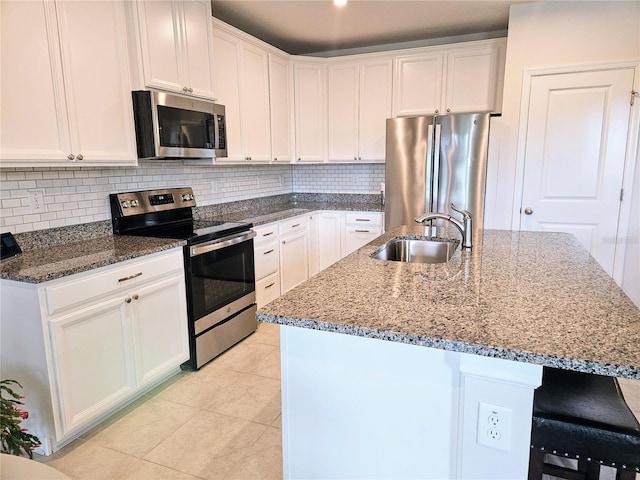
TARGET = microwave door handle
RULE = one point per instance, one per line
(220, 243)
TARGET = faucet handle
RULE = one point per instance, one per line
(465, 213)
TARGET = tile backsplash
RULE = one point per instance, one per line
(73, 196)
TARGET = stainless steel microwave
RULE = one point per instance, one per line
(173, 126)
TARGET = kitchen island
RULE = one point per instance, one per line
(387, 367)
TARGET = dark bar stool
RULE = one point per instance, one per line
(584, 417)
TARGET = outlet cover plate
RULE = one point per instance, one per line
(494, 426)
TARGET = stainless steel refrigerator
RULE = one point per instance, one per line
(433, 161)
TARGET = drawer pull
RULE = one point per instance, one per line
(296, 225)
(127, 300)
(270, 285)
(124, 279)
(363, 219)
(268, 252)
(136, 297)
(363, 231)
(267, 234)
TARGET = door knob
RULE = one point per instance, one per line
(528, 211)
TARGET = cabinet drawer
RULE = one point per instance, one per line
(265, 233)
(267, 259)
(292, 225)
(86, 286)
(267, 289)
(371, 219)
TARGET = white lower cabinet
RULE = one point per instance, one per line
(291, 251)
(359, 229)
(106, 336)
(267, 263)
(329, 238)
(294, 253)
(267, 289)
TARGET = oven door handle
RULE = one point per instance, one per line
(220, 243)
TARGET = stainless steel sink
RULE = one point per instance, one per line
(417, 250)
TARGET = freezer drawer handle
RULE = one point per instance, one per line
(130, 277)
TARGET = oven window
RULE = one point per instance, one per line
(220, 277)
(185, 128)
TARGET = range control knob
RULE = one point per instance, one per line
(134, 203)
(186, 197)
(124, 204)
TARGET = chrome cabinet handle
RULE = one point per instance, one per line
(267, 234)
(268, 252)
(528, 211)
(296, 225)
(363, 219)
(363, 231)
(124, 279)
(269, 286)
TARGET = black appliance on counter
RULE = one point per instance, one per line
(219, 265)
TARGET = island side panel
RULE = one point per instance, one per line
(355, 407)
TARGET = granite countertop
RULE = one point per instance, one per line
(263, 214)
(525, 296)
(48, 263)
(60, 252)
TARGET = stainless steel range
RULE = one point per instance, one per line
(219, 265)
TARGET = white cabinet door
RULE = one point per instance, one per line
(474, 78)
(197, 38)
(342, 114)
(356, 237)
(227, 54)
(376, 95)
(160, 41)
(418, 84)
(176, 38)
(34, 125)
(294, 260)
(255, 104)
(280, 107)
(360, 97)
(159, 328)
(92, 364)
(242, 85)
(309, 101)
(55, 57)
(96, 71)
(267, 289)
(329, 238)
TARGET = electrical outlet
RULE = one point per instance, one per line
(494, 426)
(36, 201)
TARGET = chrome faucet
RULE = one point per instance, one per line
(465, 226)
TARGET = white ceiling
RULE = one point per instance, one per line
(311, 26)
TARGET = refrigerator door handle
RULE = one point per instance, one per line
(428, 201)
(436, 168)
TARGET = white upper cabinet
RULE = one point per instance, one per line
(65, 85)
(454, 78)
(474, 77)
(418, 84)
(242, 73)
(360, 97)
(280, 103)
(255, 103)
(309, 110)
(176, 39)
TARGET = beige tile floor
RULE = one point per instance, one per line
(222, 422)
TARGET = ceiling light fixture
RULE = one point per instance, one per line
(339, 3)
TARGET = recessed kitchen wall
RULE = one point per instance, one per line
(80, 195)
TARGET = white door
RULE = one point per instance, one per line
(574, 157)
